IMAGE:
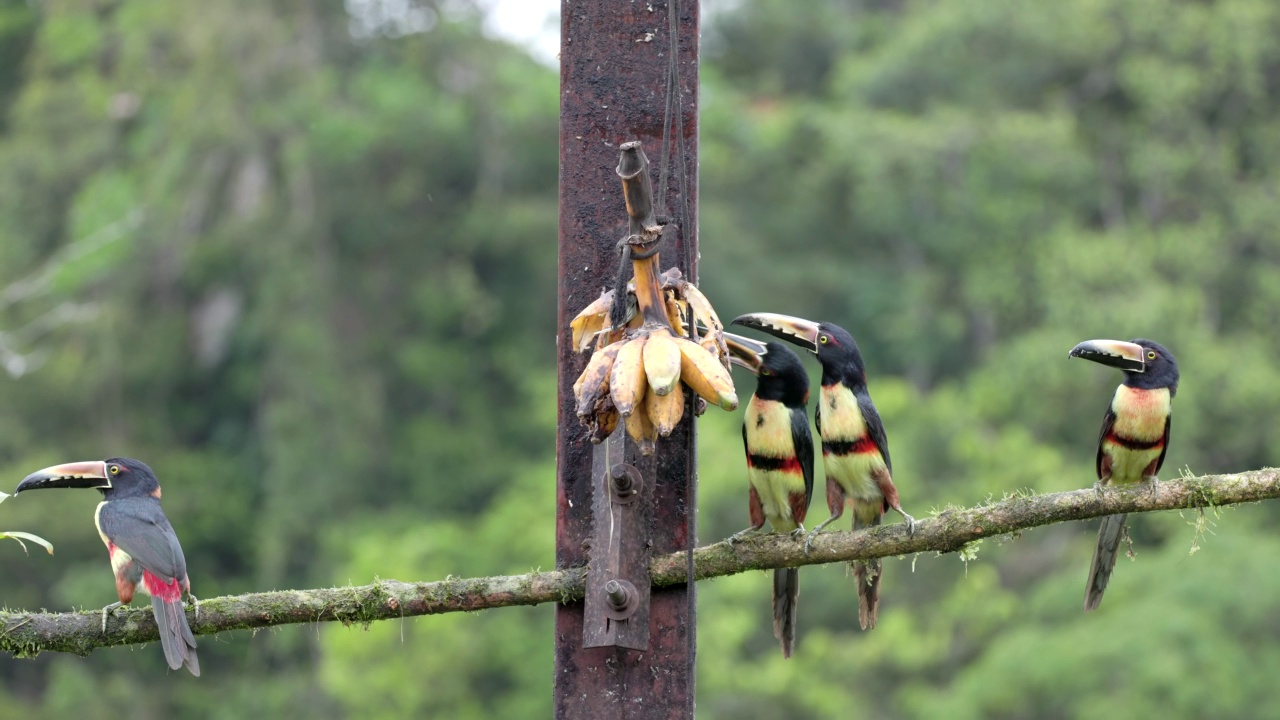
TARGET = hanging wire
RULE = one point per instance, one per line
(676, 97)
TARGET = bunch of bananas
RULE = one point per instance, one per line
(636, 370)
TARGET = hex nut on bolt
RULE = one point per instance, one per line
(625, 483)
(623, 599)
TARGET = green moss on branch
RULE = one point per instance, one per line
(27, 634)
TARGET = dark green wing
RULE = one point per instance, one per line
(138, 527)
(802, 439)
(875, 427)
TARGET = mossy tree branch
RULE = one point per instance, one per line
(25, 634)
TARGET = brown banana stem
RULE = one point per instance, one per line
(633, 168)
(649, 291)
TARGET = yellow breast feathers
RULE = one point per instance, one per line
(768, 424)
(841, 416)
(1140, 414)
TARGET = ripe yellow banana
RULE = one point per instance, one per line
(703, 373)
(593, 383)
(640, 364)
(665, 411)
(662, 361)
(626, 378)
(642, 430)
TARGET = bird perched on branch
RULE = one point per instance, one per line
(779, 447)
(855, 449)
(143, 547)
(1134, 437)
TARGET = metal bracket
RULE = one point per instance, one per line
(618, 585)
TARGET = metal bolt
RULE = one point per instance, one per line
(624, 483)
(617, 594)
(621, 480)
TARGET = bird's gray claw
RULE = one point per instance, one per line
(195, 605)
(808, 542)
(108, 610)
(911, 525)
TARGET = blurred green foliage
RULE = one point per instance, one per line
(301, 261)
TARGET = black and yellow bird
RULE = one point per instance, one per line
(779, 447)
(143, 548)
(855, 449)
(1134, 437)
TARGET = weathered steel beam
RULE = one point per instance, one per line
(614, 65)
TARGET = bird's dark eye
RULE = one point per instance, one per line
(824, 339)
(115, 469)
(1151, 354)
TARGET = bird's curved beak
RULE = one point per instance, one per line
(88, 474)
(745, 352)
(794, 330)
(1127, 356)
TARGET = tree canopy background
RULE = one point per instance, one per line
(288, 253)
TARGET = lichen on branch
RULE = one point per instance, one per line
(26, 634)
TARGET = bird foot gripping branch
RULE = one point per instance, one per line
(643, 347)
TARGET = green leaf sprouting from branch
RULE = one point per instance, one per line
(20, 536)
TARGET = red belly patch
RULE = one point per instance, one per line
(776, 464)
(850, 447)
(167, 591)
(1133, 444)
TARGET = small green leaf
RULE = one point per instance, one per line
(20, 536)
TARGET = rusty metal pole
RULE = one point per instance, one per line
(614, 64)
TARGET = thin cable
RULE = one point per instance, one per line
(673, 48)
(691, 508)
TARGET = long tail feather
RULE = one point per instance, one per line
(786, 594)
(1104, 559)
(175, 635)
(866, 574)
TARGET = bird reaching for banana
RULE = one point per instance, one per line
(779, 448)
(855, 447)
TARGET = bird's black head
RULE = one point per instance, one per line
(779, 373)
(1146, 363)
(115, 477)
(838, 351)
(835, 347)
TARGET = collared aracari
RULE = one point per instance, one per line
(779, 447)
(1134, 437)
(855, 450)
(143, 548)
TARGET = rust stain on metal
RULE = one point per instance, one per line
(612, 90)
(622, 523)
